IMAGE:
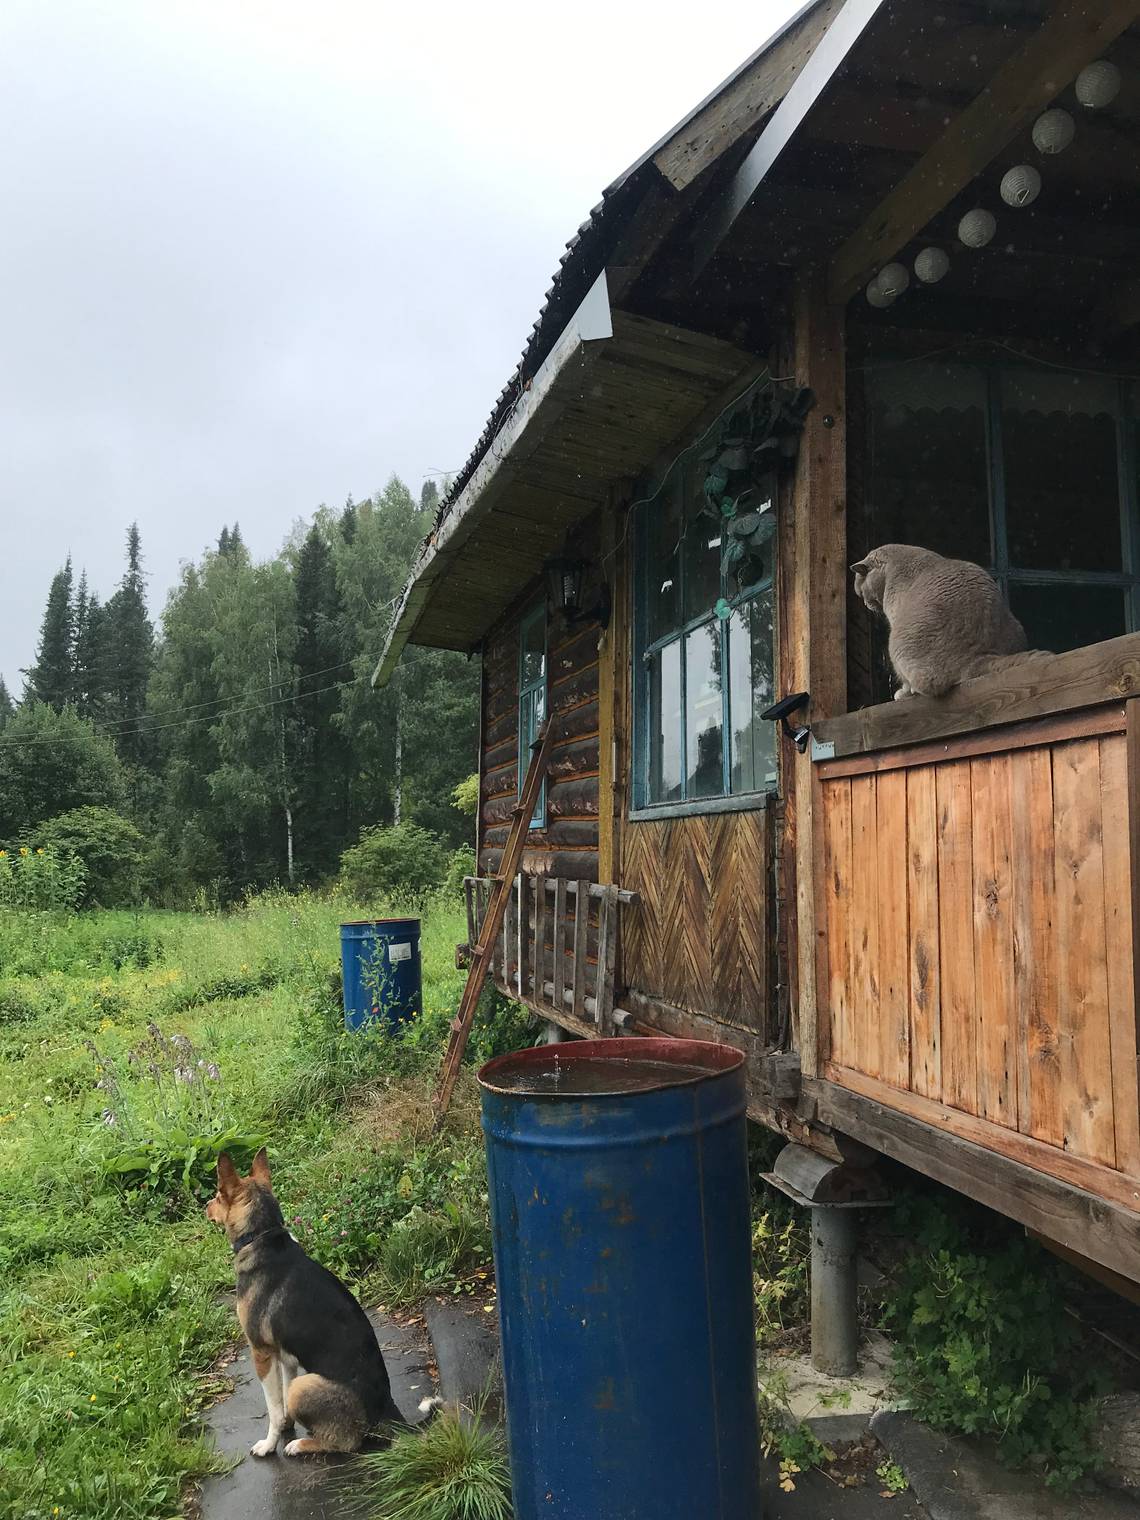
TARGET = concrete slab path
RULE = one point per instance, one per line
(301, 1488)
(959, 1480)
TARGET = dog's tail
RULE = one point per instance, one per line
(429, 1408)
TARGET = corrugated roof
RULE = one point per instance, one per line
(585, 257)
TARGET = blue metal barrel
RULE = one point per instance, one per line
(620, 1209)
(380, 962)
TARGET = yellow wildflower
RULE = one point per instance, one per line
(93, 1398)
(23, 849)
(71, 1353)
(3, 854)
(40, 850)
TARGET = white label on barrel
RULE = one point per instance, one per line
(399, 953)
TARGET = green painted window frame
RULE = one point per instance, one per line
(532, 705)
(726, 800)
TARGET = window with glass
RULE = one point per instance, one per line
(532, 697)
(1028, 470)
(703, 669)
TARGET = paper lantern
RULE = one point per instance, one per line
(876, 297)
(893, 279)
(977, 228)
(1098, 85)
(1053, 131)
(932, 265)
(1020, 186)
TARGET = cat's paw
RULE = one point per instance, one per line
(903, 691)
(264, 1448)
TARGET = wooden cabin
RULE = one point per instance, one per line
(917, 921)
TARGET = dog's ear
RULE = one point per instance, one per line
(861, 567)
(228, 1179)
(260, 1169)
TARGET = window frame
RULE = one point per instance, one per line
(726, 801)
(1127, 423)
(526, 690)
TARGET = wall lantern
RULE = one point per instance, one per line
(564, 578)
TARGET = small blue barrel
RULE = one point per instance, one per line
(620, 1209)
(380, 962)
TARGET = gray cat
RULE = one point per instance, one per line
(946, 617)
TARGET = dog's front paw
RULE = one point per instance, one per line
(264, 1448)
(297, 1448)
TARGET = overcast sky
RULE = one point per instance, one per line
(256, 256)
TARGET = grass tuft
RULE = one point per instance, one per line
(447, 1470)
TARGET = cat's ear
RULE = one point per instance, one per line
(861, 567)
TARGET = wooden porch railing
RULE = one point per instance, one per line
(558, 948)
(977, 869)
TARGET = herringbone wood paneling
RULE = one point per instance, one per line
(698, 935)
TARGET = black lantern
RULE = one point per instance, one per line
(564, 579)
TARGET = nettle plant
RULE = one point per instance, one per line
(40, 880)
(167, 1118)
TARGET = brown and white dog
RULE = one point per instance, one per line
(313, 1347)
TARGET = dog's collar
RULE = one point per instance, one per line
(248, 1239)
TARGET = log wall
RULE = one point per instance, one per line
(568, 844)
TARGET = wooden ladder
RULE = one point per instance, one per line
(483, 951)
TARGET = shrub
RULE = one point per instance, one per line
(18, 1003)
(981, 1346)
(403, 862)
(461, 863)
(109, 847)
(40, 880)
(466, 795)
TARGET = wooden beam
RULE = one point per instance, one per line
(743, 101)
(1101, 1230)
(814, 650)
(810, 83)
(1036, 686)
(1075, 32)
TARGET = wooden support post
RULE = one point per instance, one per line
(559, 972)
(817, 648)
(608, 677)
(581, 924)
(607, 947)
(522, 983)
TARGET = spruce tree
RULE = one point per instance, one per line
(322, 755)
(92, 678)
(129, 644)
(50, 678)
(347, 523)
(429, 497)
(224, 540)
(7, 706)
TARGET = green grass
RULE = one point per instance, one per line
(110, 1278)
(449, 1470)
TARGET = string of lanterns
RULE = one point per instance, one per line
(1097, 86)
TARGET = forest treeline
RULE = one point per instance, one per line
(240, 736)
